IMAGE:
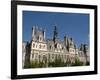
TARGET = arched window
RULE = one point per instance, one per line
(56, 45)
(44, 46)
(32, 55)
(40, 38)
(50, 46)
(40, 46)
(33, 45)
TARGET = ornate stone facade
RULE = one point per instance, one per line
(43, 50)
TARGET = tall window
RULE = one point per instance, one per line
(40, 38)
(33, 45)
(32, 55)
(40, 46)
(44, 46)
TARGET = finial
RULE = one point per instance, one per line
(33, 27)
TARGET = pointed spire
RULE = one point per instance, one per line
(44, 33)
(33, 32)
(55, 35)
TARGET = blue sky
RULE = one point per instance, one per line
(75, 25)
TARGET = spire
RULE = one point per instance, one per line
(55, 35)
(44, 33)
(33, 32)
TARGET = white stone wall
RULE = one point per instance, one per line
(72, 51)
(37, 55)
(39, 46)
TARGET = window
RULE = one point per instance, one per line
(40, 38)
(36, 46)
(32, 55)
(50, 46)
(40, 46)
(44, 46)
(39, 57)
(33, 45)
(62, 48)
(52, 55)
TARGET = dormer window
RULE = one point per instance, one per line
(50, 46)
(55, 45)
(33, 45)
(40, 39)
(44, 46)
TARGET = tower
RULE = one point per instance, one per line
(38, 34)
(38, 39)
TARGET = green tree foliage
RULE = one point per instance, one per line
(87, 63)
(77, 63)
(56, 63)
